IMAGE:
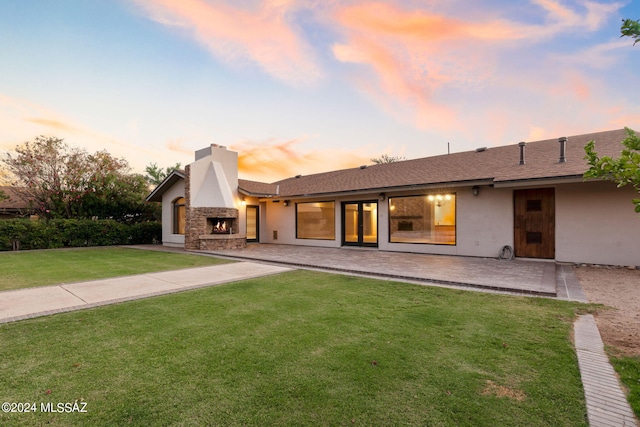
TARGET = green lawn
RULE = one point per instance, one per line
(37, 268)
(628, 368)
(300, 348)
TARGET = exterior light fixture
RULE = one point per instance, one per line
(286, 202)
(382, 197)
(476, 190)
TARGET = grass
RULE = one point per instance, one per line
(301, 348)
(38, 268)
(628, 368)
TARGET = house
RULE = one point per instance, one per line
(15, 205)
(529, 199)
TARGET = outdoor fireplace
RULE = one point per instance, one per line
(222, 225)
(211, 229)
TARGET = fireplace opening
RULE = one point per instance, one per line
(221, 225)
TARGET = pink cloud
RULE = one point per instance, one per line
(562, 19)
(411, 56)
(22, 120)
(271, 160)
(416, 63)
(263, 36)
(177, 146)
(55, 125)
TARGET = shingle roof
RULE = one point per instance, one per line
(255, 188)
(495, 164)
(17, 200)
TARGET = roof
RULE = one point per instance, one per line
(495, 165)
(257, 189)
(156, 195)
(17, 200)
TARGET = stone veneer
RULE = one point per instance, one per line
(197, 236)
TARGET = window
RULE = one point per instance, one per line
(179, 216)
(423, 219)
(315, 221)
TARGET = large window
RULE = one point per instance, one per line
(316, 220)
(179, 216)
(423, 219)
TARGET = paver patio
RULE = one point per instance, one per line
(515, 276)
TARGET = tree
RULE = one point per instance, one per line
(114, 192)
(624, 170)
(3, 181)
(68, 182)
(155, 174)
(385, 158)
(631, 28)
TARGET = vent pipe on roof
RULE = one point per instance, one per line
(563, 149)
(521, 145)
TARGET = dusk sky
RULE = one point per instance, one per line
(303, 86)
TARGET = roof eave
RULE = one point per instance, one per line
(399, 188)
(544, 180)
(252, 194)
(169, 181)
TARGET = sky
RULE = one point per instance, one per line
(305, 86)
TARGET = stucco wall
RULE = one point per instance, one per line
(596, 223)
(484, 223)
(168, 238)
(282, 219)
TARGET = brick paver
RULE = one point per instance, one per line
(513, 276)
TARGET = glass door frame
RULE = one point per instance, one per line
(257, 231)
(361, 242)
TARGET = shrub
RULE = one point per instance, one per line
(60, 233)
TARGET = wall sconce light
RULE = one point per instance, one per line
(243, 202)
(286, 202)
(476, 190)
(382, 197)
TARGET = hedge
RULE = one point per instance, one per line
(60, 233)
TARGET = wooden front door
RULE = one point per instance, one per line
(535, 223)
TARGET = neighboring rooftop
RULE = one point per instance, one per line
(16, 201)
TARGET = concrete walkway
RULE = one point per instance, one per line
(607, 405)
(41, 301)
